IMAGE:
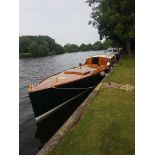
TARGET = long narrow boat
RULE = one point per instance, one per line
(62, 86)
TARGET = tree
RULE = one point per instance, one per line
(71, 48)
(58, 49)
(115, 19)
(39, 46)
(33, 48)
(98, 46)
(83, 47)
(39, 50)
(24, 43)
(86, 47)
(43, 49)
(51, 42)
(108, 43)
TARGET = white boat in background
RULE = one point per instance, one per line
(115, 51)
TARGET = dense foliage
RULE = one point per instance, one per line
(115, 19)
(71, 48)
(87, 47)
(36, 46)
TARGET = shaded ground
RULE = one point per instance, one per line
(107, 126)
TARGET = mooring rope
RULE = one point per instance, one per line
(75, 88)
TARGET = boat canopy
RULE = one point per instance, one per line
(97, 60)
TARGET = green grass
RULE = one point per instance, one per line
(107, 126)
(124, 72)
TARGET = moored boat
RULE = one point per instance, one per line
(115, 51)
(61, 87)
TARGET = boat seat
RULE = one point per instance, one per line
(77, 71)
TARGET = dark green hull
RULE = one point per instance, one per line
(44, 100)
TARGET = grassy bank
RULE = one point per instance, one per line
(107, 126)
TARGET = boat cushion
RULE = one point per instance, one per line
(78, 71)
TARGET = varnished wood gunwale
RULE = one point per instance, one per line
(68, 78)
(46, 99)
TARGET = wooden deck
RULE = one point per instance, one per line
(67, 76)
(88, 69)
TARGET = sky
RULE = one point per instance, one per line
(66, 21)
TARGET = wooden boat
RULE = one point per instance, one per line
(62, 86)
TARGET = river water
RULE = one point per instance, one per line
(34, 70)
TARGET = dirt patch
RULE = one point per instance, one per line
(126, 87)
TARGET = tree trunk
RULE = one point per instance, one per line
(128, 46)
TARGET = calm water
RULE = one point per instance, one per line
(34, 70)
